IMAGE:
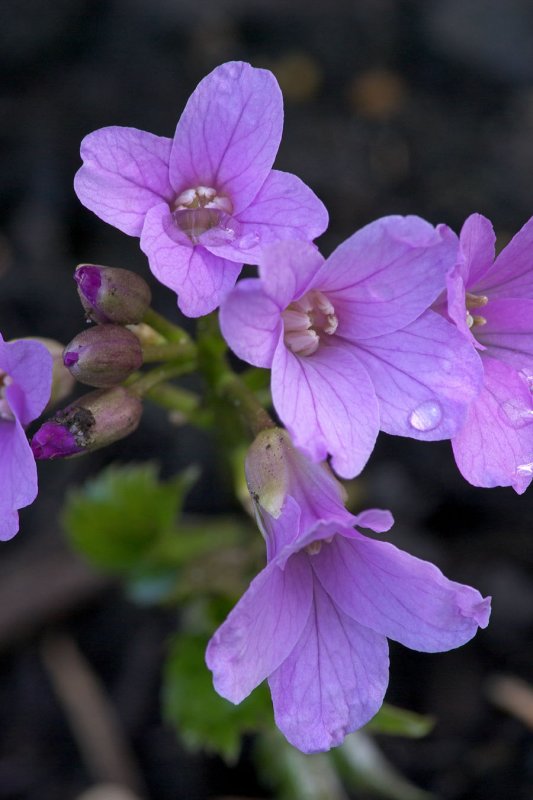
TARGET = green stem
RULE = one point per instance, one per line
(171, 332)
(171, 351)
(175, 399)
(171, 369)
(244, 401)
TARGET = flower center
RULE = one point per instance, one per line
(5, 410)
(199, 209)
(307, 320)
(474, 301)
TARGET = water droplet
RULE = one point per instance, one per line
(514, 415)
(525, 469)
(426, 416)
(248, 241)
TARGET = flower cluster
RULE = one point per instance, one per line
(405, 328)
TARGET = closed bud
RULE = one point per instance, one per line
(103, 356)
(111, 294)
(267, 470)
(95, 420)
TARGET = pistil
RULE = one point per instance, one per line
(198, 209)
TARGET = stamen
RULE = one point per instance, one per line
(199, 209)
(475, 319)
(307, 320)
(476, 300)
(5, 410)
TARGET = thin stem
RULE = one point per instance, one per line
(167, 352)
(182, 401)
(171, 369)
(244, 401)
(171, 332)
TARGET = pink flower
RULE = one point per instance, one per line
(350, 342)
(315, 621)
(204, 202)
(491, 302)
(25, 385)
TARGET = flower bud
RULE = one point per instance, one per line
(111, 294)
(267, 469)
(103, 356)
(95, 420)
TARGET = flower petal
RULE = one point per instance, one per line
(262, 629)
(18, 473)
(285, 209)
(508, 333)
(288, 270)
(495, 446)
(229, 133)
(251, 323)
(29, 365)
(511, 275)
(328, 404)
(398, 595)
(387, 274)
(200, 279)
(333, 681)
(476, 249)
(125, 173)
(9, 525)
(425, 377)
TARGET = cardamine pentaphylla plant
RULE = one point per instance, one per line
(405, 328)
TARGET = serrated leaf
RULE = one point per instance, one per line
(400, 722)
(203, 719)
(119, 517)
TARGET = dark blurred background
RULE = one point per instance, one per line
(421, 107)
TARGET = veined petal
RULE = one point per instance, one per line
(495, 445)
(125, 173)
(333, 681)
(285, 209)
(29, 365)
(398, 595)
(262, 629)
(456, 301)
(250, 322)
(511, 275)
(229, 133)
(328, 404)
(18, 473)
(425, 377)
(387, 274)
(288, 270)
(200, 279)
(508, 333)
(476, 249)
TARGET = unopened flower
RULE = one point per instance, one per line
(315, 621)
(93, 421)
(103, 356)
(204, 202)
(25, 383)
(350, 342)
(111, 294)
(491, 302)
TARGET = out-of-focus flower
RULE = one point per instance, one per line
(351, 343)
(25, 383)
(111, 294)
(204, 202)
(103, 356)
(315, 621)
(95, 420)
(491, 302)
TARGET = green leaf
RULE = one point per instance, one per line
(399, 722)
(203, 719)
(120, 517)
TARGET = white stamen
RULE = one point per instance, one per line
(306, 320)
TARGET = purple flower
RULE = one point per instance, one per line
(315, 621)
(491, 302)
(204, 202)
(25, 385)
(350, 342)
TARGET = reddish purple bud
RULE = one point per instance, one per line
(111, 294)
(52, 440)
(95, 420)
(103, 356)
